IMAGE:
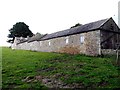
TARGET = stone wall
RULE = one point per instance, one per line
(72, 46)
(85, 43)
(109, 51)
(92, 43)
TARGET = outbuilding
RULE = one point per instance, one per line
(95, 38)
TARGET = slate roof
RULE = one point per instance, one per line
(97, 25)
(22, 41)
(76, 30)
(36, 37)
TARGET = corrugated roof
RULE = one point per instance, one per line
(80, 29)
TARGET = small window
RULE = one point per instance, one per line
(82, 39)
(49, 43)
(40, 43)
(67, 40)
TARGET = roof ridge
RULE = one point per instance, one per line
(83, 28)
(105, 21)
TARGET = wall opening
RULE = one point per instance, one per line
(49, 43)
(67, 40)
(82, 39)
(40, 43)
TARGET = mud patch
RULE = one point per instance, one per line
(51, 82)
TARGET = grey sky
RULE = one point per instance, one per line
(48, 16)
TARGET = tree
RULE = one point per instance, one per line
(20, 29)
(76, 25)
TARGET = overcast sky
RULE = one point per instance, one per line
(48, 16)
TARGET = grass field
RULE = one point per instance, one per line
(27, 69)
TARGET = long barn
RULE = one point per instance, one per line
(95, 38)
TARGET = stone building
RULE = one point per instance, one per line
(95, 38)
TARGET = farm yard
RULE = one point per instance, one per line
(42, 70)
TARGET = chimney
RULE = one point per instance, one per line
(119, 14)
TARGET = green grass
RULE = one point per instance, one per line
(85, 71)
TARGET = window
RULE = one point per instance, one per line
(66, 40)
(49, 43)
(40, 43)
(82, 39)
